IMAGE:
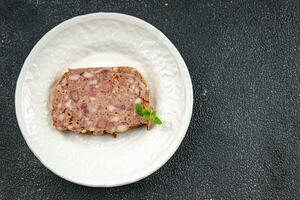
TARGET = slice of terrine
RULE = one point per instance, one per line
(99, 100)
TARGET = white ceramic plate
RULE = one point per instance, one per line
(105, 39)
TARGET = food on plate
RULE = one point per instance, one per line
(101, 100)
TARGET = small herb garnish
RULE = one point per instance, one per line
(147, 114)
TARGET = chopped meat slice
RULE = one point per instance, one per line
(99, 100)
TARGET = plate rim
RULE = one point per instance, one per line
(125, 18)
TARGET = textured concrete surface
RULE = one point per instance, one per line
(244, 139)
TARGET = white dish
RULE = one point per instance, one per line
(105, 39)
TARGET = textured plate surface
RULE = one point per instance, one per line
(105, 39)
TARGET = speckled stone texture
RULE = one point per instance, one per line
(244, 137)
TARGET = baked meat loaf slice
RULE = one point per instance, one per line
(99, 100)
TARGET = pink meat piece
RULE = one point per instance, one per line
(74, 95)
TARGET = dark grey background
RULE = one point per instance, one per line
(243, 141)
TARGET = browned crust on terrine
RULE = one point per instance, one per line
(99, 100)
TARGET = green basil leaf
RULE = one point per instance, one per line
(146, 112)
(146, 116)
(157, 121)
(152, 115)
(139, 109)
